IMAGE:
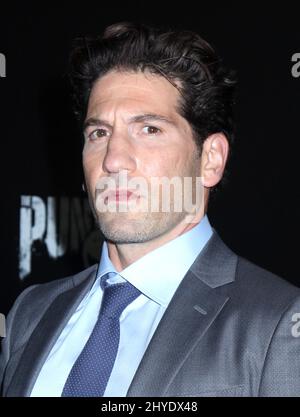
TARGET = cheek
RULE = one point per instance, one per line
(92, 165)
(154, 164)
(169, 161)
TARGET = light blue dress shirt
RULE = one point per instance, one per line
(157, 275)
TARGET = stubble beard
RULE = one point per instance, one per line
(122, 228)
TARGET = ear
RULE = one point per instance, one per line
(214, 156)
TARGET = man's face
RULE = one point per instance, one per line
(133, 127)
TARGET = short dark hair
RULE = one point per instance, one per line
(206, 88)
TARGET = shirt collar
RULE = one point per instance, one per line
(158, 274)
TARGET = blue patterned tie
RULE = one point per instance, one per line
(92, 369)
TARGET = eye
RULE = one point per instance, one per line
(98, 133)
(151, 130)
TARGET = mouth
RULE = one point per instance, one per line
(118, 196)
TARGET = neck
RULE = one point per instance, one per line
(122, 255)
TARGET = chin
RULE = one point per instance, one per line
(118, 228)
(123, 236)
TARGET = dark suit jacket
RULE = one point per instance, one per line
(228, 331)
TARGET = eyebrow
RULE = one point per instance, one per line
(92, 121)
(150, 117)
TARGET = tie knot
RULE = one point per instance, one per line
(116, 297)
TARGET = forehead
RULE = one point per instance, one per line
(133, 91)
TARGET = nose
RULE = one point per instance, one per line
(120, 154)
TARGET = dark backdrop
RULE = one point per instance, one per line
(46, 228)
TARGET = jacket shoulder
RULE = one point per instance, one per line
(260, 287)
(39, 295)
(31, 304)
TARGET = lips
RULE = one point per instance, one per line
(118, 195)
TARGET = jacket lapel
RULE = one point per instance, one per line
(191, 312)
(45, 335)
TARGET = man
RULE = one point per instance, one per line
(170, 310)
